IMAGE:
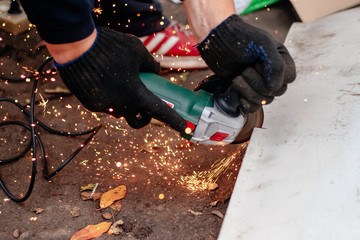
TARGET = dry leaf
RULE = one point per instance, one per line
(107, 215)
(75, 212)
(111, 196)
(87, 196)
(37, 210)
(16, 233)
(90, 186)
(193, 212)
(116, 227)
(57, 90)
(218, 213)
(157, 122)
(96, 196)
(116, 205)
(214, 203)
(91, 231)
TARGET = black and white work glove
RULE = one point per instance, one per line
(249, 60)
(106, 79)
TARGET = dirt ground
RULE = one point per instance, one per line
(154, 163)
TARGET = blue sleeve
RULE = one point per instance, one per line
(60, 21)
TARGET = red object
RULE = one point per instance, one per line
(174, 47)
(218, 136)
(189, 126)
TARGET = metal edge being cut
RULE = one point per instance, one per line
(254, 120)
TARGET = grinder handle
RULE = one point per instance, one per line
(229, 101)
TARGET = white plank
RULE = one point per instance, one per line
(300, 178)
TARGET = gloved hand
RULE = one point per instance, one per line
(106, 79)
(250, 60)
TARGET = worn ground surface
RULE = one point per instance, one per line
(150, 162)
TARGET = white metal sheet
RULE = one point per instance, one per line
(300, 177)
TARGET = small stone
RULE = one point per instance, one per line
(75, 212)
(107, 215)
(37, 210)
(116, 227)
(16, 233)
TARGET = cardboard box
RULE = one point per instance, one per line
(12, 23)
(311, 10)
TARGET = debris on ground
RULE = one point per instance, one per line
(214, 203)
(75, 211)
(92, 231)
(90, 187)
(193, 212)
(16, 233)
(87, 196)
(37, 210)
(218, 213)
(107, 215)
(116, 205)
(111, 196)
(57, 90)
(116, 228)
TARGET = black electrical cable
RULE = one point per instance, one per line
(31, 123)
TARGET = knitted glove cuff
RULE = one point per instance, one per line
(86, 75)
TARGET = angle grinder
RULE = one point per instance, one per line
(211, 119)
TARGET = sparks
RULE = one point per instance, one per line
(205, 180)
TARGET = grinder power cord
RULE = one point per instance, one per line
(30, 125)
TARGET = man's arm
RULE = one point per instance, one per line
(66, 52)
(66, 26)
(204, 15)
(242, 56)
(100, 66)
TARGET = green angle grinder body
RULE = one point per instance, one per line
(209, 124)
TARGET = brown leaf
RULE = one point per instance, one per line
(116, 227)
(37, 210)
(214, 203)
(111, 196)
(87, 196)
(91, 231)
(16, 233)
(116, 205)
(75, 211)
(107, 215)
(157, 122)
(193, 212)
(218, 213)
(57, 90)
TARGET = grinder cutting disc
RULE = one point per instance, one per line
(254, 120)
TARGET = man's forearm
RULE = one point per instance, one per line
(204, 15)
(66, 52)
